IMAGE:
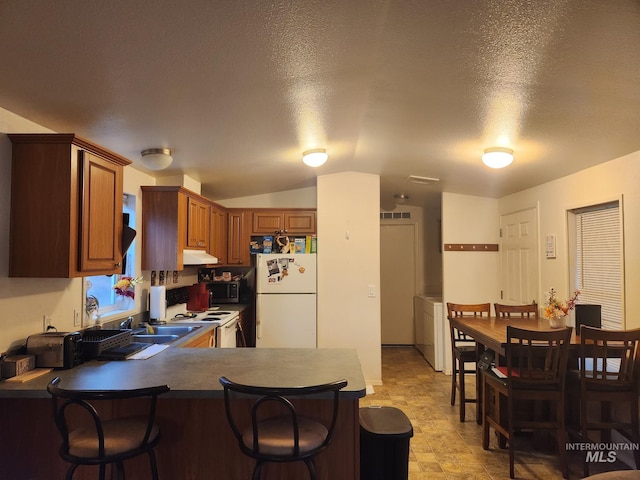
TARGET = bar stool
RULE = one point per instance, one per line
(101, 442)
(285, 436)
(463, 351)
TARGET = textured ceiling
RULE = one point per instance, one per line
(238, 89)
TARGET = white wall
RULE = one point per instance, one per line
(469, 277)
(300, 198)
(348, 261)
(612, 180)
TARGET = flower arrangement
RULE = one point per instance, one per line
(125, 286)
(556, 310)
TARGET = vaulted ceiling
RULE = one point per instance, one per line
(239, 89)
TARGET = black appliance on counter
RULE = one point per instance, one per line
(239, 289)
(55, 349)
(224, 292)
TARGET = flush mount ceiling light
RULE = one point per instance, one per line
(497, 157)
(156, 158)
(315, 157)
(400, 198)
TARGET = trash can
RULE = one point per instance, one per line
(384, 443)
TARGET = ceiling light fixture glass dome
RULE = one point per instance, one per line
(497, 157)
(156, 158)
(315, 157)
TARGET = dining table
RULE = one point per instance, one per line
(491, 333)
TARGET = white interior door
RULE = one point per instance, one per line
(398, 284)
(519, 257)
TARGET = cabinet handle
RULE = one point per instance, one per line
(118, 264)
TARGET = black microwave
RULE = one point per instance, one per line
(224, 292)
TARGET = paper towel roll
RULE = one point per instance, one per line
(158, 303)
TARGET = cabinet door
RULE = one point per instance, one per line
(300, 222)
(218, 234)
(267, 223)
(238, 239)
(101, 217)
(203, 341)
(197, 224)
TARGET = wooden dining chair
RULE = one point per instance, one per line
(529, 310)
(534, 374)
(463, 350)
(272, 430)
(609, 377)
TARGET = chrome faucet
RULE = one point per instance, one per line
(127, 324)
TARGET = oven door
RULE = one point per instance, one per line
(226, 334)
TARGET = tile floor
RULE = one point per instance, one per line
(442, 447)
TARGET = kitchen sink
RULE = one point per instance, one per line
(179, 330)
(163, 333)
(144, 338)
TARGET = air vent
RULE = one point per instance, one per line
(394, 215)
(422, 180)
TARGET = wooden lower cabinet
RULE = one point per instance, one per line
(196, 443)
(207, 340)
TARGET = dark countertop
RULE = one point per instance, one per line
(194, 372)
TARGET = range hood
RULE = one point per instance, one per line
(197, 257)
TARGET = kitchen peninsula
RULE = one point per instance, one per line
(196, 440)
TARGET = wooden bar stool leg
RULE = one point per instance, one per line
(453, 380)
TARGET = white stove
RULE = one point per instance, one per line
(216, 317)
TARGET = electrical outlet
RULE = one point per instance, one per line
(46, 322)
(76, 319)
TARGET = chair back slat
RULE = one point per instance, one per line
(457, 310)
(516, 311)
(536, 358)
(609, 358)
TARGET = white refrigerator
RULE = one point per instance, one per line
(286, 300)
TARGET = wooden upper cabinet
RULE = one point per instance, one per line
(66, 207)
(197, 224)
(300, 222)
(218, 233)
(267, 222)
(173, 218)
(238, 237)
(101, 230)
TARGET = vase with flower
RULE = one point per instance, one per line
(556, 310)
(125, 291)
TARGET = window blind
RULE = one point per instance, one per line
(599, 261)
